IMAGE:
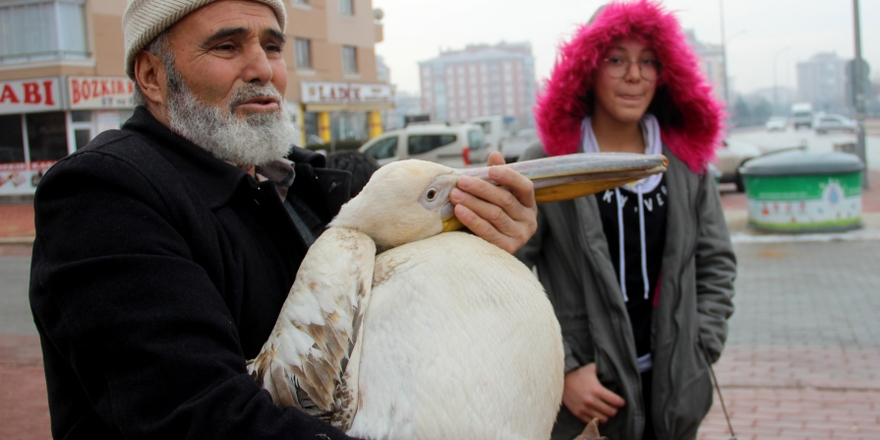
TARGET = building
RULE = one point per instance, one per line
(480, 80)
(711, 59)
(405, 104)
(822, 82)
(62, 77)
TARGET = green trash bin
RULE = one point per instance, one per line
(803, 191)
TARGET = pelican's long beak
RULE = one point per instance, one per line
(576, 175)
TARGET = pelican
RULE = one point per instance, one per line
(400, 327)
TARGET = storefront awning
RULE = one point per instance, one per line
(348, 107)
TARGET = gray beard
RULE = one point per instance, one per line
(255, 139)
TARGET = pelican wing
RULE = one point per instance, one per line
(308, 356)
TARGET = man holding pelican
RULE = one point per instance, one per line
(165, 249)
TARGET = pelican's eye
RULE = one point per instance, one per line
(431, 194)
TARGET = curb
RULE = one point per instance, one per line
(16, 241)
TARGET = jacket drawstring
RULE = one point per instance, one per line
(642, 241)
(621, 200)
(621, 244)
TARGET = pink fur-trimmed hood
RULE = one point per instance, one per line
(691, 119)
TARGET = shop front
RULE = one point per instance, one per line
(336, 112)
(44, 119)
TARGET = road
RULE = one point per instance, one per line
(803, 137)
(15, 315)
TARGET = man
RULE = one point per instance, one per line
(165, 250)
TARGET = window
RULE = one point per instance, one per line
(40, 30)
(346, 7)
(11, 140)
(299, 2)
(349, 59)
(303, 52)
(476, 140)
(383, 148)
(423, 143)
(47, 136)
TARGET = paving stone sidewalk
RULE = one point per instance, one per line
(804, 345)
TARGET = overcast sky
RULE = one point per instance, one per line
(758, 32)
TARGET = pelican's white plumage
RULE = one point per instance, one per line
(460, 341)
(438, 336)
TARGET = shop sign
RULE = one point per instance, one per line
(97, 93)
(19, 178)
(345, 93)
(30, 96)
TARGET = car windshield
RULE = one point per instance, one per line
(383, 148)
(475, 139)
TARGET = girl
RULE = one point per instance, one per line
(641, 277)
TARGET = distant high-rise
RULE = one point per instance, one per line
(822, 81)
(480, 80)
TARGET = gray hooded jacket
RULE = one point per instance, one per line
(698, 269)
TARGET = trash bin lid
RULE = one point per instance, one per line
(802, 162)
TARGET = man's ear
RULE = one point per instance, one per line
(149, 72)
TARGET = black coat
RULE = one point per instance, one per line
(158, 270)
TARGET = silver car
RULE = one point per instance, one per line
(828, 123)
(453, 145)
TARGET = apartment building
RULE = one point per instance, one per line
(62, 78)
(480, 80)
(822, 82)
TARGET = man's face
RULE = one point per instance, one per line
(225, 79)
(225, 45)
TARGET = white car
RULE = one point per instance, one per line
(827, 123)
(776, 123)
(512, 147)
(453, 145)
(730, 157)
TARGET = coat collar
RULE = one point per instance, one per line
(214, 180)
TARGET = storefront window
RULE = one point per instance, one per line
(349, 126)
(11, 139)
(47, 136)
(310, 126)
(81, 116)
(82, 136)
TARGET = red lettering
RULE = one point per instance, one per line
(47, 86)
(86, 90)
(75, 91)
(105, 90)
(130, 87)
(32, 93)
(8, 94)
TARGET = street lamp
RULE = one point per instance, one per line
(724, 41)
(724, 55)
(775, 91)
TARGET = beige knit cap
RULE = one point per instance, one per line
(145, 19)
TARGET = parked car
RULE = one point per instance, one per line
(776, 123)
(454, 145)
(827, 123)
(730, 157)
(512, 147)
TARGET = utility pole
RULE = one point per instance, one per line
(724, 55)
(859, 93)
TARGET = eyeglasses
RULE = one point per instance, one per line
(617, 67)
